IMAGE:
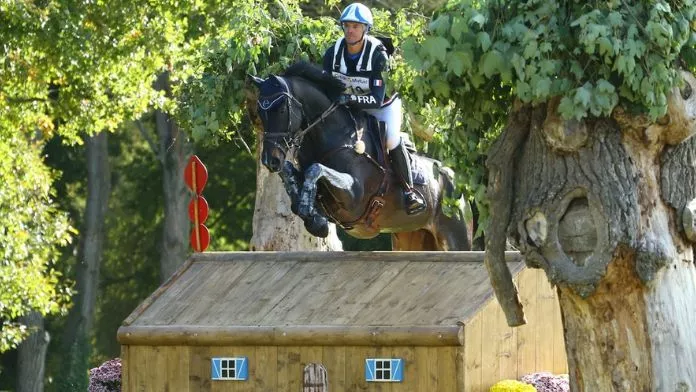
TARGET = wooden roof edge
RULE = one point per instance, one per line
(150, 299)
(459, 256)
(316, 335)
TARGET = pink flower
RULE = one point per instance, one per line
(107, 377)
(547, 382)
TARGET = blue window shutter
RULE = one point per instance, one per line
(215, 369)
(369, 370)
(242, 368)
(397, 373)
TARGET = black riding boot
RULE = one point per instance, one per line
(402, 165)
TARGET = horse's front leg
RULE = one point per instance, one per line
(339, 183)
(291, 180)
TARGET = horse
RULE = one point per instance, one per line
(335, 169)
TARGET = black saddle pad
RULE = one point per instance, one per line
(373, 137)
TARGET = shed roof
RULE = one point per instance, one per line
(305, 297)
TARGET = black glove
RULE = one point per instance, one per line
(346, 99)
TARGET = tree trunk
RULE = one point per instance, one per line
(602, 205)
(32, 355)
(90, 252)
(274, 225)
(174, 152)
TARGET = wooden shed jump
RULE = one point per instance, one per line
(376, 321)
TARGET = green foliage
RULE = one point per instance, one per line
(263, 38)
(591, 55)
(260, 38)
(480, 57)
(79, 66)
(72, 378)
(33, 231)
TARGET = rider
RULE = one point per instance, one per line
(359, 60)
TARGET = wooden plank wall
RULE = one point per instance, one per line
(493, 351)
(180, 368)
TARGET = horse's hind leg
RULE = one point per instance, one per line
(454, 233)
(414, 241)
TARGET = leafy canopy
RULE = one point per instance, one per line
(591, 54)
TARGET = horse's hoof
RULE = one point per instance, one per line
(317, 226)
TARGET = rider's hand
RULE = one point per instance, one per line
(346, 99)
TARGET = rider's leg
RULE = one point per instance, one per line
(392, 117)
(402, 165)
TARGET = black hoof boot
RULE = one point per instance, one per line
(317, 226)
(414, 203)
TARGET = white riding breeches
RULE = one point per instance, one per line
(392, 116)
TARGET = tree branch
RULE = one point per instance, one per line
(501, 162)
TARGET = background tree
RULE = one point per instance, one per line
(593, 172)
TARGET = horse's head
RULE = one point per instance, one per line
(281, 115)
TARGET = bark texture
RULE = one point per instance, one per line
(606, 206)
(31, 361)
(90, 252)
(173, 152)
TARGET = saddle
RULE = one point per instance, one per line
(373, 134)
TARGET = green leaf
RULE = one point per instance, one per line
(491, 63)
(531, 50)
(484, 40)
(542, 88)
(605, 46)
(440, 25)
(441, 88)
(459, 27)
(459, 61)
(583, 95)
(436, 47)
(479, 19)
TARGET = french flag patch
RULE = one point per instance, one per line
(377, 82)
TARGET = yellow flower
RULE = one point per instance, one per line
(512, 386)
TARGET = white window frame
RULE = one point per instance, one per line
(231, 366)
(385, 366)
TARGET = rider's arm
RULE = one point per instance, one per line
(377, 88)
(328, 60)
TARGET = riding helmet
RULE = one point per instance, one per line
(357, 12)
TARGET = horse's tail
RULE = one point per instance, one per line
(454, 203)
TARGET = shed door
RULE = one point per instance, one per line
(315, 378)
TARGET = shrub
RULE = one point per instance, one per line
(107, 377)
(512, 386)
(547, 382)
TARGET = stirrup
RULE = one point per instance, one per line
(413, 202)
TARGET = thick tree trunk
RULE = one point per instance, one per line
(90, 252)
(174, 152)
(32, 355)
(602, 205)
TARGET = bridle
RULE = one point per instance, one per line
(291, 139)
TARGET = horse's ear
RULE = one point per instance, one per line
(257, 80)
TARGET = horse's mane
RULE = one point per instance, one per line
(331, 86)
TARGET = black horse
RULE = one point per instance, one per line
(342, 174)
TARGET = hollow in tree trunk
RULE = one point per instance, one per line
(606, 207)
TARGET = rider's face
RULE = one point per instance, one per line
(353, 31)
